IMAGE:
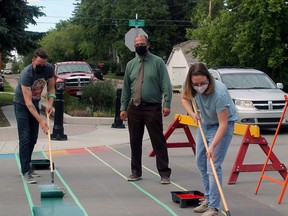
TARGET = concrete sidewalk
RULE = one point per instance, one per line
(83, 134)
(81, 131)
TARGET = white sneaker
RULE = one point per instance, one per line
(203, 206)
(165, 180)
(211, 212)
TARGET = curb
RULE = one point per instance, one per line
(67, 119)
(88, 120)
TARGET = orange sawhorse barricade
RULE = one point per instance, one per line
(270, 153)
(179, 122)
(257, 139)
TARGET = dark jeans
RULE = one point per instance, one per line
(151, 117)
(28, 128)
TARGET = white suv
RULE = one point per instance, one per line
(258, 99)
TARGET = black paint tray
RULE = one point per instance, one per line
(41, 164)
(187, 197)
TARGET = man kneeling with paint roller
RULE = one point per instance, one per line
(31, 83)
(214, 134)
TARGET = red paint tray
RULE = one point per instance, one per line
(187, 197)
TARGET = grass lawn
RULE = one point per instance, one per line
(6, 98)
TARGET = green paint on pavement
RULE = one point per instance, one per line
(28, 195)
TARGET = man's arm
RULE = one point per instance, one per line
(27, 94)
(126, 90)
(166, 86)
(51, 95)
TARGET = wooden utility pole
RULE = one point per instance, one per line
(0, 60)
(210, 8)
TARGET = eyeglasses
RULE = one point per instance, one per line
(200, 84)
(141, 44)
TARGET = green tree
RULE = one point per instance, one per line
(250, 33)
(262, 35)
(15, 18)
(106, 23)
(15, 67)
(178, 21)
(103, 24)
(65, 43)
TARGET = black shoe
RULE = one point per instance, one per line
(134, 178)
(29, 178)
(34, 174)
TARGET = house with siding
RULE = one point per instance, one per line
(179, 62)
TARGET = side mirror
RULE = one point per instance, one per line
(279, 85)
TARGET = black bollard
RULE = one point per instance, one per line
(58, 129)
(118, 123)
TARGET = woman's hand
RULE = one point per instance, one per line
(210, 153)
(195, 117)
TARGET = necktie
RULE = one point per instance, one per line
(138, 85)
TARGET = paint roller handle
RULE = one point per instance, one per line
(52, 176)
(49, 143)
(211, 161)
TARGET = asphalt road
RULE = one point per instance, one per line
(94, 176)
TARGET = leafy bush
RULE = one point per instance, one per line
(119, 73)
(73, 106)
(114, 76)
(100, 96)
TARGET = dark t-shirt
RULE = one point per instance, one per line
(36, 81)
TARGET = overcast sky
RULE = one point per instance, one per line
(55, 11)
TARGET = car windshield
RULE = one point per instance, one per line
(73, 68)
(247, 81)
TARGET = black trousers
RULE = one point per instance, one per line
(28, 128)
(149, 115)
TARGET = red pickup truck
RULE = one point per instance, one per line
(73, 75)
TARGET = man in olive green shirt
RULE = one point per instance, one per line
(156, 85)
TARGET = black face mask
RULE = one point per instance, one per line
(40, 68)
(141, 50)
